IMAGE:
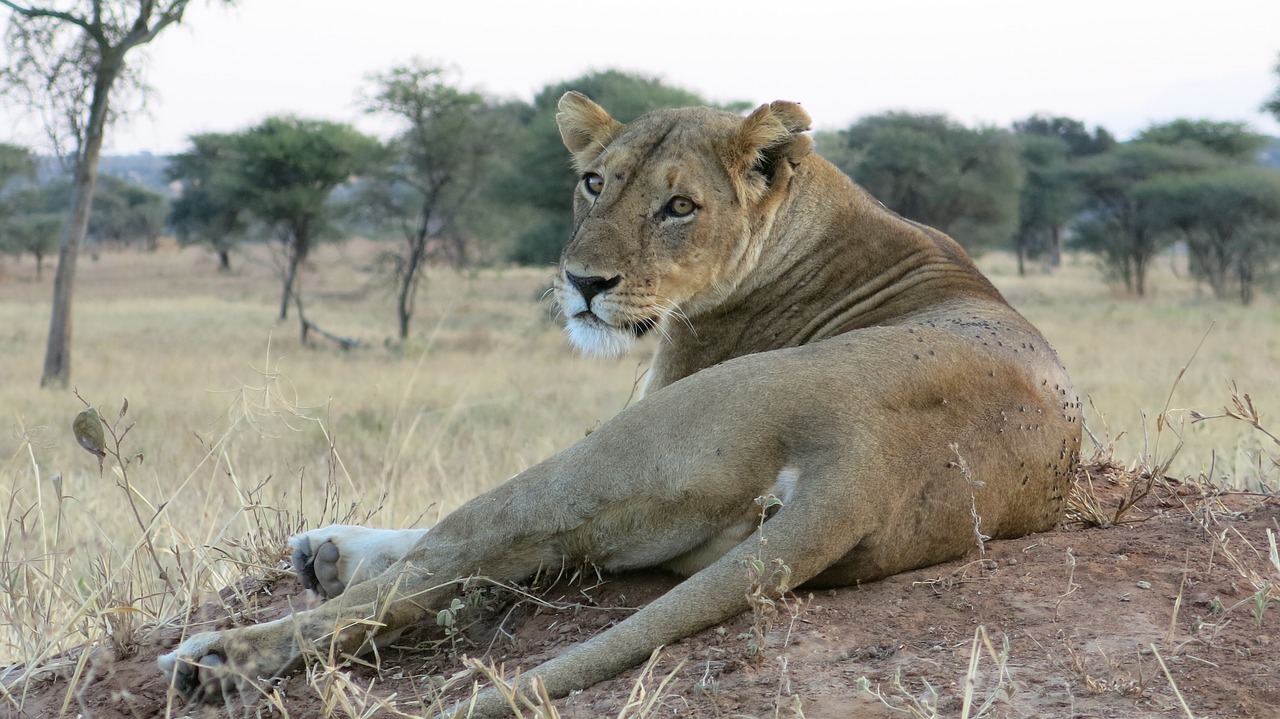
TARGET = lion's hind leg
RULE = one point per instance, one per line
(332, 558)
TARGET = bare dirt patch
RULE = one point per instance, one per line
(1162, 615)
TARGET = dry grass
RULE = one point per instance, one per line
(245, 436)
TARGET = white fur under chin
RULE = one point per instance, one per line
(594, 339)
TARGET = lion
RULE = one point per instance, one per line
(812, 346)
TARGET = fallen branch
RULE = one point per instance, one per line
(345, 343)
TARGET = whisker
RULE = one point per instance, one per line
(665, 312)
(671, 309)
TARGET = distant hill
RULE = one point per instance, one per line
(143, 169)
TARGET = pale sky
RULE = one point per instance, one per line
(1123, 64)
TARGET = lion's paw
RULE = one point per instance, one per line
(198, 668)
(330, 559)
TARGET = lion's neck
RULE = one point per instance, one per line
(826, 267)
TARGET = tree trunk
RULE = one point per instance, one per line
(1244, 272)
(1055, 247)
(286, 290)
(409, 286)
(297, 247)
(409, 272)
(57, 358)
(224, 261)
(304, 327)
(403, 311)
(1020, 251)
(1140, 275)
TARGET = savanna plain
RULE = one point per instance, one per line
(1155, 598)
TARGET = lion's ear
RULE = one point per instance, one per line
(585, 127)
(768, 137)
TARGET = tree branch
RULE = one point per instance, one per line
(140, 33)
(35, 12)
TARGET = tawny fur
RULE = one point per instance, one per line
(814, 345)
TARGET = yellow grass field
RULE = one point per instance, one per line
(239, 434)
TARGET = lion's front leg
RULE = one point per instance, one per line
(332, 558)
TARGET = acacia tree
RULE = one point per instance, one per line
(1232, 141)
(284, 171)
(1224, 208)
(1049, 198)
(15, 162)
(69, 62)
(441, 159)
(207, 211)
(1229, 219)
(1120, 222)
(34, 233)
(1051, 195)
(20, 230)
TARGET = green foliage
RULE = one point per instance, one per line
(933, 170)
(1073, 133)
(209, 209)
(1231, 140)
(542, 177)
(1050, 198)
(286, 168)
(31, 227)
(16, 162)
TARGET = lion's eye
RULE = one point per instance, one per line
(680, 206)
(593, 183)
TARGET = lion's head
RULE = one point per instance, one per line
(667, 212)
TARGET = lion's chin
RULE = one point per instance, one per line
(594, 338)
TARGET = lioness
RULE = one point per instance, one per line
(814, 346)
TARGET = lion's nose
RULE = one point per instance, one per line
(592, 286)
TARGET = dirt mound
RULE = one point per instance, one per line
(1161, 616)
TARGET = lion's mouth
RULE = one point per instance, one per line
(595, 335)
(637, 328)
(641, 327)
